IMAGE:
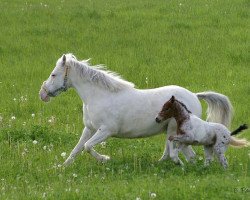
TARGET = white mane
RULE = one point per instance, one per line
(98, 75)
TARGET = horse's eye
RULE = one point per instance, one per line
(53, 75)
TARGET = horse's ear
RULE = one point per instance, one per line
(172, 99)
(64, 59)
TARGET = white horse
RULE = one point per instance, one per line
(114, 108)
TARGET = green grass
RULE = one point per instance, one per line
(200, 45)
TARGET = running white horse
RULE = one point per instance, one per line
(114, 108)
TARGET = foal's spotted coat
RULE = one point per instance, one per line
(191, 130)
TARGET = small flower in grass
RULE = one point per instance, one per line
(63, 154)
(13, 117)
(200, 158)
(103, 144)
(77, 190)
(152, 195)
(44, 147)
(74, 175)
(52, 120)
(59, 165)
(33, 115)
(14, 99)
(35, 142)
(137, 198)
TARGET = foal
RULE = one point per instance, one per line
(192, 130)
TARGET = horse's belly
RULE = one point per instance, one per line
(142, 129)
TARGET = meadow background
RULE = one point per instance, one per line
(200, 45)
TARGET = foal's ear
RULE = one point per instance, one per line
(64, 59)
(172, 99)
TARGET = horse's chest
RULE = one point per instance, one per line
(96, 115)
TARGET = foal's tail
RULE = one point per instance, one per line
(239, 142)
(238, 130)
(219, 108)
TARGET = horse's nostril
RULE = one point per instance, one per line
(157, 120)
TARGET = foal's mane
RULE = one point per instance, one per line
(99, 75)
(183, 105)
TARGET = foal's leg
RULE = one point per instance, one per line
(220, 148)
(170, 149)
(187, 150)
(86, 134)
(101, 135)
(208, 150)
(171, 130)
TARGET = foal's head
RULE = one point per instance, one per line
(171, 108)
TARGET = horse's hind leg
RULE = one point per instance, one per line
(220, 149)
(86, 134)
(208, 150)
(101, 135)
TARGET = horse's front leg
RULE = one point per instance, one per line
(86, 134)
(101, 135)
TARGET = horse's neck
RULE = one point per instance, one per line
(181, 117)
(89, 91)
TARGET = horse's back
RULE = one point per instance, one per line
(138, 108)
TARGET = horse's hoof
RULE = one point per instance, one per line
(164, 157)
(68, 162)
(104, 158)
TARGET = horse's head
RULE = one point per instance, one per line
(57, 82)
(167, 111)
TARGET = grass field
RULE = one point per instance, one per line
(200, 45)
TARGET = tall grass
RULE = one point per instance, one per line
(200, 45)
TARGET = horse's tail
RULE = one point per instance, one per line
(239, 142)
(238, 130)
(219, 108)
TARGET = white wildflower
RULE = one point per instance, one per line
(103, 144)
(63, 154)
(152, 195)
(35, 142)
(74, 175)
(52, 119)
(33, 115)
(13, 117)
(44, 147)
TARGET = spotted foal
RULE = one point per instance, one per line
(191, 130)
